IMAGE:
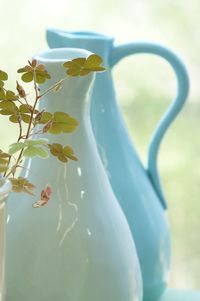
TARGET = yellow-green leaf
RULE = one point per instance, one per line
(14, 118)
(84, 72)
(68, 151)
(22, 185)
(15, 147)
(83, 66)
(3, 167)
(10, 95)
(79, 61)
(40, 79)
(26, 118)
(8, 105)
(46, 116)
(93, 60)
(27, 77)
(24, 69)
(24, 108)
(3, 75)
(41, 141)
(68, 64)
(33, 151)
(3, 161)
(2, 94)
(62, 153)
(3, 154)
(55, 148)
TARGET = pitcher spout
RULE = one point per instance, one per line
(93, 41)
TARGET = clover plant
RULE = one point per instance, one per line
(30, 121)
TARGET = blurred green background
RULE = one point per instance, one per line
(145, 86)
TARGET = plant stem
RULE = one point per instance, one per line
(27, 135)
(53, 86)
(28, 130)
(19, 138)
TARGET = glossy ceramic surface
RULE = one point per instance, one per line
(5, 188)
(79, 247)
(180, 295)
(137, 188)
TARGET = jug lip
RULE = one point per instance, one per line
(93, 35)
(56, 55)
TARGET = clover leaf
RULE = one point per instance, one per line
(10, 95)
(32, 148)
(3, 77)
(9, 108)
(22, 185)
(83, 66)
(4, 159)
(34, 71)
(63, 153)
(60, 122)
(16, 113)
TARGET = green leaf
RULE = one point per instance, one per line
(1, 84)
(46, 116)
(34, 71)
(95, 69)
(14, 118)
(15, 147)
(22, 185)
(73, 72)
(24, 69)
(68, 151)
(55, 148)
(3, 167)
(8, 105)
(3, 75)
(68, 64)
(62, 122)
(42, 153)
(93, 60)
(27, 77)
(3, 154)
(79, 61)
(41, 141)
(61, 116)
(84, 72)
(3, 161)
(26, 118)
(83, 66)
(2, 94)
(62, 153)
(24, 108)
(33, 151)
(10, 95)
(40, 79)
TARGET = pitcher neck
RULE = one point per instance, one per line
(74, 95)
(95, 42)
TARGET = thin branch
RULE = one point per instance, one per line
(53, 87)
(29, 127)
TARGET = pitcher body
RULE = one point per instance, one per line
(136, 188)
(79, 247)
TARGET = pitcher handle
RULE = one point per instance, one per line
(122, 51)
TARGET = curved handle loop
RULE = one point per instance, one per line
(122, 51)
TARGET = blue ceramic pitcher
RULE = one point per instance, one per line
(136, 187)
